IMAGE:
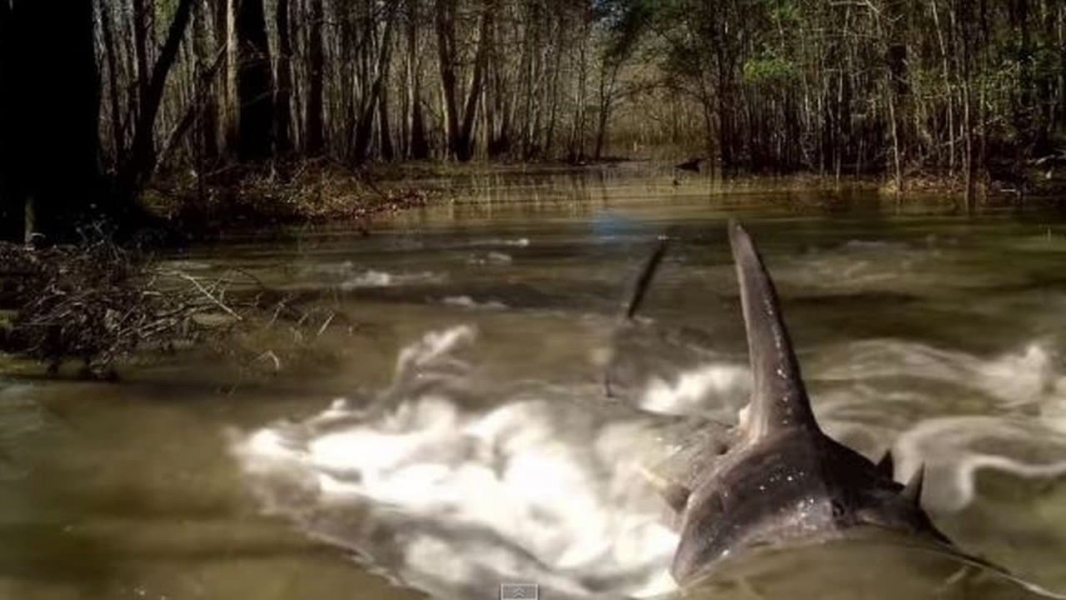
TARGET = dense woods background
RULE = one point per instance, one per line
(97, 97)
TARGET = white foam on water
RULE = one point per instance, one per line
(543, 485)
(453, 491)
(377, 279)
(507, 242)
(468, 302)
(1000, 413)
(693, 391)
(954, 449)
(1015, 378)
(491, 258)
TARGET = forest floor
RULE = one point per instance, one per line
(239, 198)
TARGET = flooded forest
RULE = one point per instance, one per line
(107, 98)
(577, 300)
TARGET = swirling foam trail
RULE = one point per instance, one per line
(542, 487)
(1000, 413)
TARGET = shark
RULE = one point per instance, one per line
(781, 479)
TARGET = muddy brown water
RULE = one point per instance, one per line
(936, 334)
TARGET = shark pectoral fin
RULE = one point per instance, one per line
(779, 398)
(886, 466)
(675, 494)
(913, 489)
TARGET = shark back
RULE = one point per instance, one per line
(784, 480)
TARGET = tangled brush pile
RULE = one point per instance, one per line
(94, 302)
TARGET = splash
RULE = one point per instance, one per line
(377, 279)
(499, 259)
(505, 242)
(954, 412)
(453, 490)
(955, 449)
(468, 302)
(696, 390)
(452, 484)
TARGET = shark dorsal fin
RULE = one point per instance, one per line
(779, 400)
(886, 466)
(913, 490)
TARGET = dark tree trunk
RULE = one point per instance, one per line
(283, 94)
(460, 126)
(225, 37)
(11, 205)
(142, 20)
(135, 173)
(418, 146)
(51, 171)
(388, 152)
(316, 65)
(255, 117)
(117, 133)
(207, 136)
(446, 48)
(464, 151)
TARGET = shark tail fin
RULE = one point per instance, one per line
(779, 399)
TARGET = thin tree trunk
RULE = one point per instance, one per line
(117, 137)
(388, 152)
(365, 117)
(464, 151)
(283, 92)
(418, 146)
(446, 48)
(313, 127)
(141, 35)
(11, 203)
(135, 173)
(207, 135)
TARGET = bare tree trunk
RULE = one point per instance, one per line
(949, 94)
(446, 48)
(388, 152)
(460, 128)
(608, 81)
(117, 136)
(418, 145)
(313, 127)
(135, 172)
(283, 92)
(207, 135)
(11, 204)
(465, 149)
(142, 22)
(255, 118)
(50, 129)
(225, 23)
(365, 116)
